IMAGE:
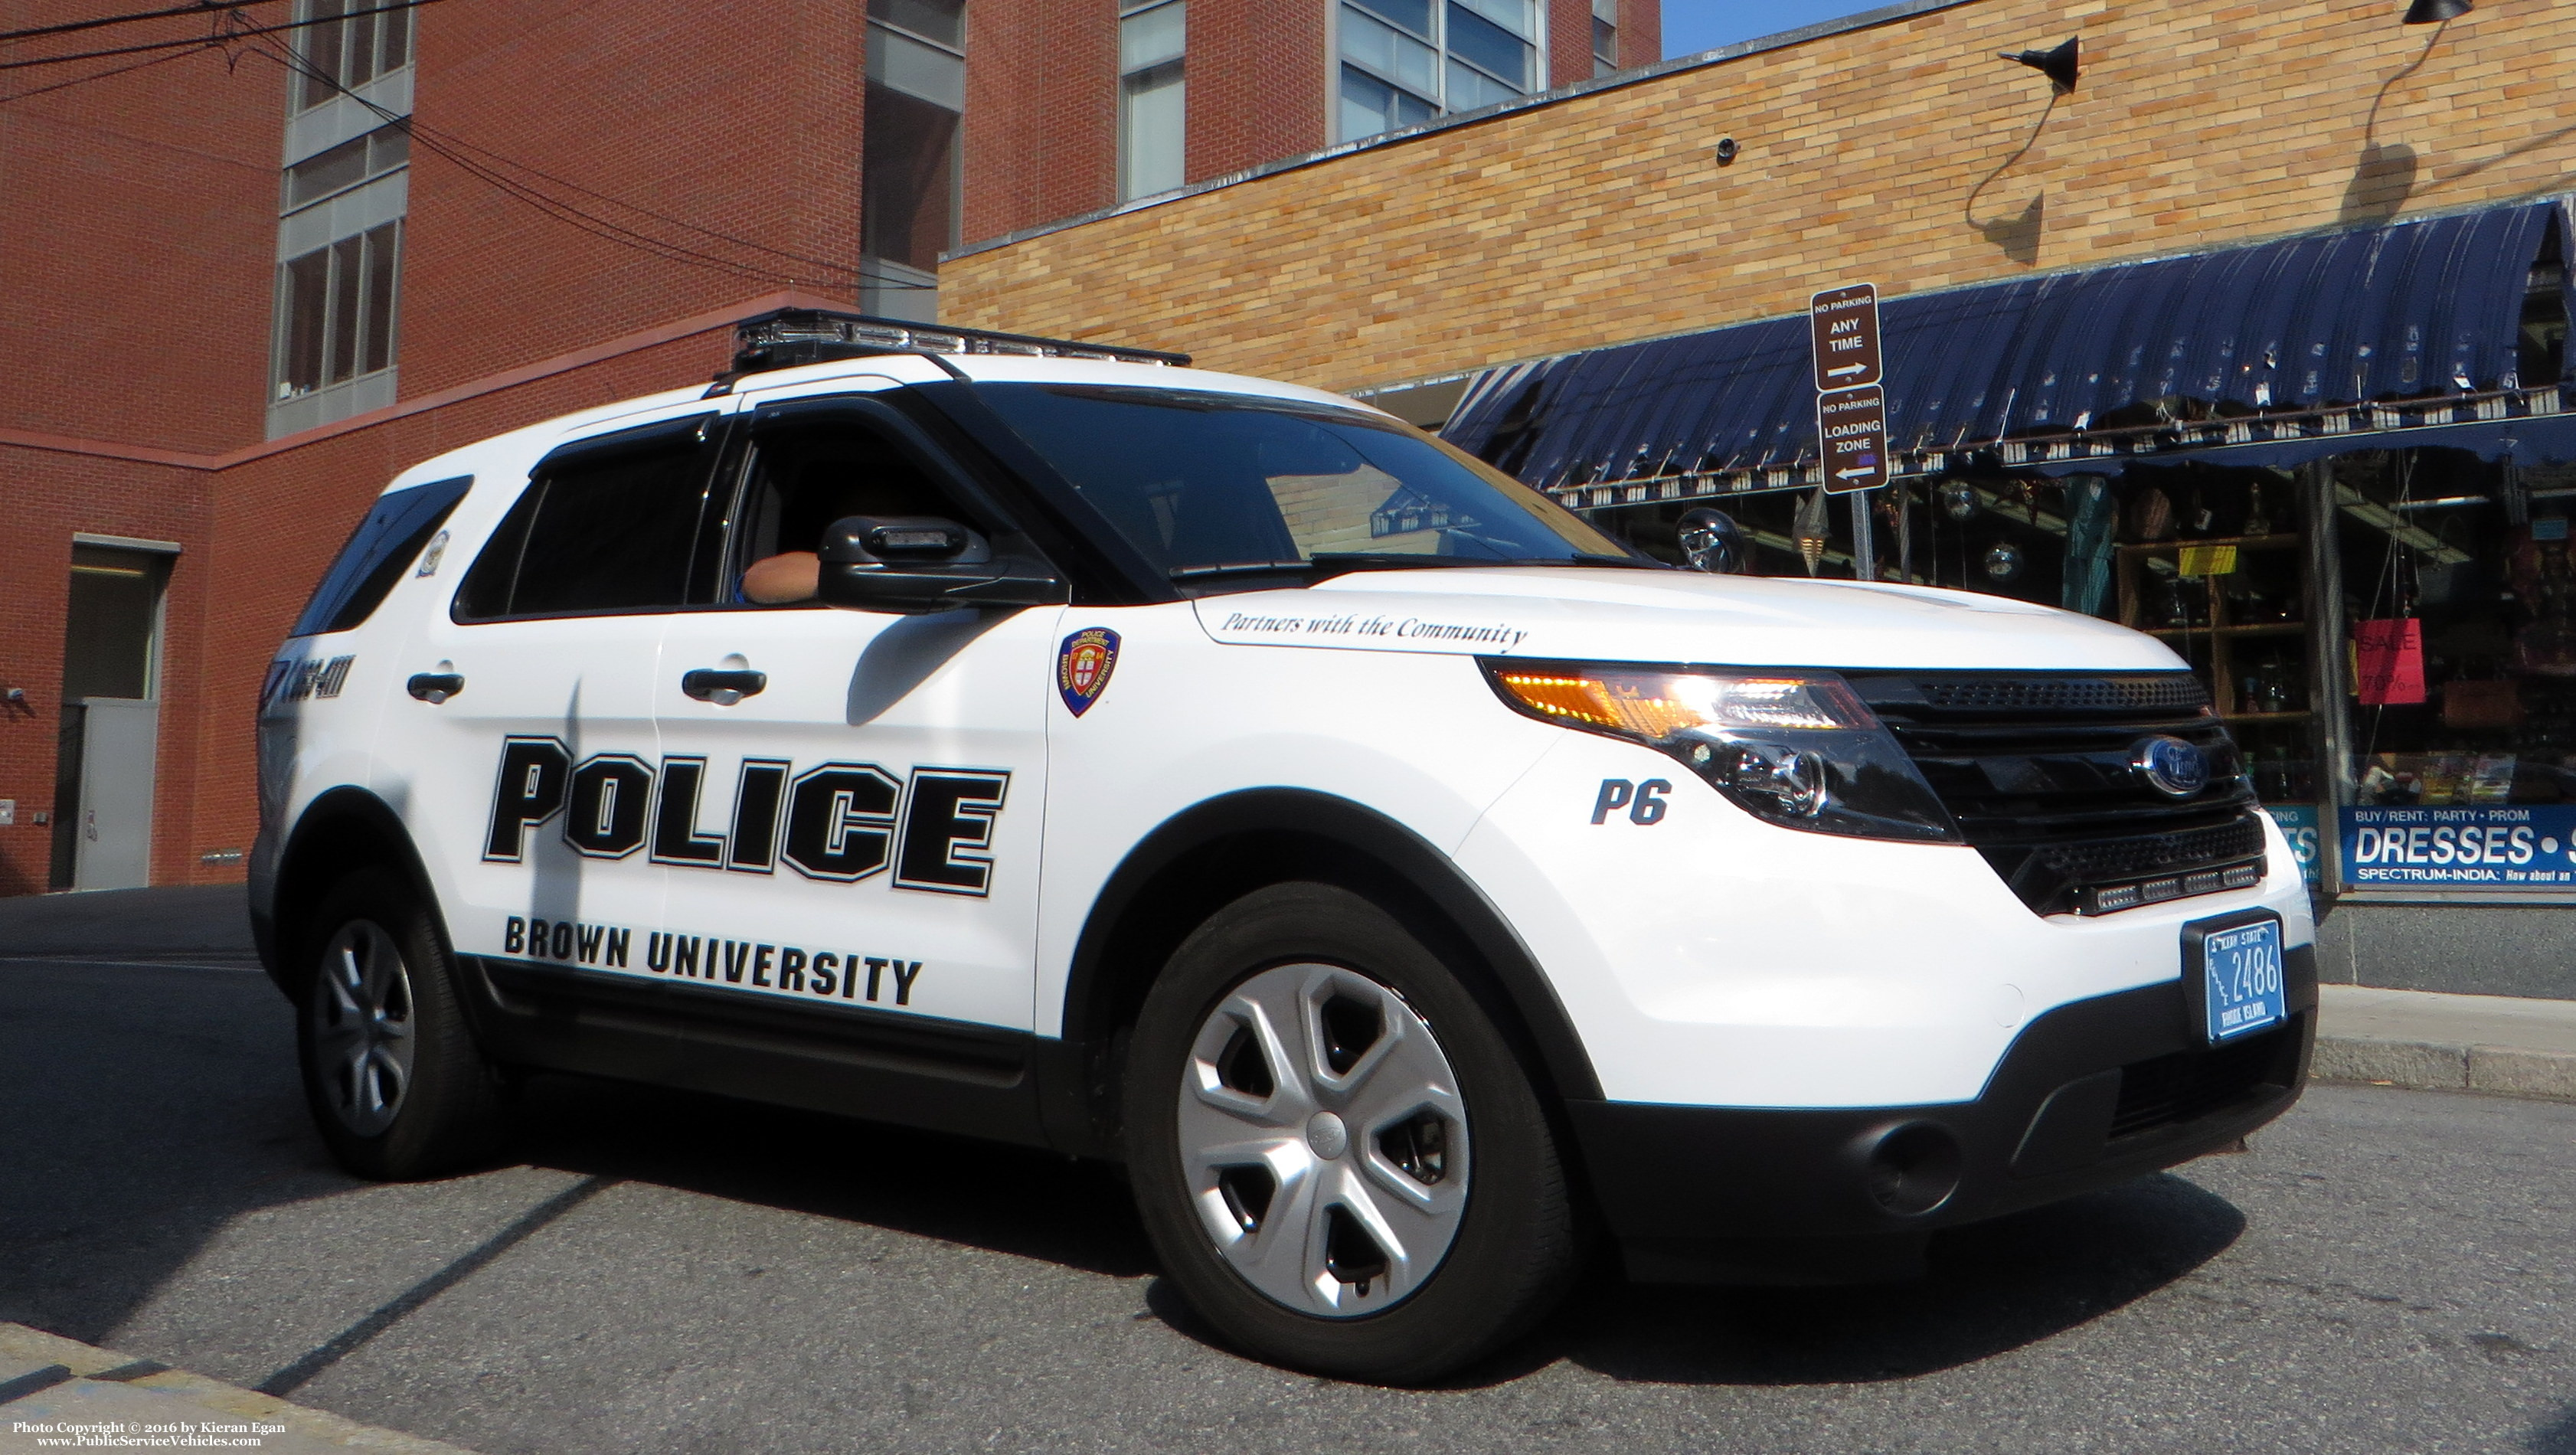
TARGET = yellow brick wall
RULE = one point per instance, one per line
(1894, 154)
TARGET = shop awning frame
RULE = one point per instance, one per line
(2291, 348)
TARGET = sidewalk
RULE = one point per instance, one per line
(59, 1395)
(2489, 1043)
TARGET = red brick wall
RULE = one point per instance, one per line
(741, 119)
(138, 223)
(1258, 76)
(1569, 37)
(137, 245)
(1641, 32)
(258, 534)
(1569, 41)
(1042, 111)
(47, 496)
(277, 522)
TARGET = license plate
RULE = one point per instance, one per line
(2237, 964)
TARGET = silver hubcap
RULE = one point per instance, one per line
(1324, 1140)
(362, 1041)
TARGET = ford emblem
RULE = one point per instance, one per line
(2175, 767)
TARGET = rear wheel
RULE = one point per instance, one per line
(391, 1073)
(1339, 1158)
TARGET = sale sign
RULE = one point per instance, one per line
(2388, 661)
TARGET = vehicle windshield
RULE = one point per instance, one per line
(1211, 486)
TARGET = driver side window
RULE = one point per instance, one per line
(797, 482)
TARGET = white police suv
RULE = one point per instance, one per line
(1406, 880)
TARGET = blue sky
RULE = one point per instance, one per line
(1691, 26)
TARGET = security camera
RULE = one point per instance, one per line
(1726, 150)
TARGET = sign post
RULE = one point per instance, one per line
(1851, 407)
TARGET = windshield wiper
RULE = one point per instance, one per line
(1325, 564)
(1638, 563)
(1320, 565)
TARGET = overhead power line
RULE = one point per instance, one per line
(459, 152)
(193, 42)
(201, 7)
(162, 59)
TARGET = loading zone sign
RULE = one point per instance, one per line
(1852, 426)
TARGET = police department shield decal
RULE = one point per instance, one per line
(1083, 665)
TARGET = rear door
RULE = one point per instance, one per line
(525, 759)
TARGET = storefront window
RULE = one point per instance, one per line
(2389, 633)
(2458, 585)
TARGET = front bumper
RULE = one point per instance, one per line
(2092, 1093)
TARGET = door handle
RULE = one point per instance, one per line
(722, 687)
(435, 686)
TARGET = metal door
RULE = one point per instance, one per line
(118, 739)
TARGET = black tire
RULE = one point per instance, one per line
(388, 1110)
(1513, 1250)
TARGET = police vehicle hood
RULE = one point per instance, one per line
(1613, 614)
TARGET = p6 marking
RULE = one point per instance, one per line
(1644, 801)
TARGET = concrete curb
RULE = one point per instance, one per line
(2496, 1044)
(2497, 1070)
(70, 1394)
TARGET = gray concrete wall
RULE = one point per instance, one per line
(2467, 950)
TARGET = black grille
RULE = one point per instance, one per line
(2035, 769)
(2161, 692)
(2189, 1085)
(2095, 860)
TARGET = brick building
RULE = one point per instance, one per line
(256, 270)
(2252, 337)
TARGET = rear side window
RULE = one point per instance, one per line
(379, 551)
(617, 524)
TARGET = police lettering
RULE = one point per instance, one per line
(840, 822)
(947, 827)
(605, 811)
(530, 791)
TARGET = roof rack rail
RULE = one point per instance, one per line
(788, 337)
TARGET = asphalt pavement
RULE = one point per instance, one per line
(2386, 1270)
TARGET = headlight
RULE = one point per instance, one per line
(1798, 749)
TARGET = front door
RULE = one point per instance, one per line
(853, 801)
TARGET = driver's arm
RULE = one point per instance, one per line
(786, 577)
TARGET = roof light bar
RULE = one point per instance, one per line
(793, 336)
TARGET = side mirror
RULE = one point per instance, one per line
(923, 563)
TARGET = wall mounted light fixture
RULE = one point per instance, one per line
(1726, 150)
(2434, 12)
(2059, 64)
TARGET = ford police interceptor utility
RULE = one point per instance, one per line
(1406, 880)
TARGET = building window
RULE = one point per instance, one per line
(1605, 36)
(343, 192)
(1152, 98)
(909, 180)
(336, 169)
(1406, 61)
(336, 311)
(351, 50)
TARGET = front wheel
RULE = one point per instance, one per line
(1337, 1154)
(391, 1072)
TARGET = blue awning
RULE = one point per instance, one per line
(2251, 344)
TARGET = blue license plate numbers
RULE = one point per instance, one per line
(2240, 978)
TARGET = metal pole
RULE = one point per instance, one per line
(1864, 551)
(2329, 686)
